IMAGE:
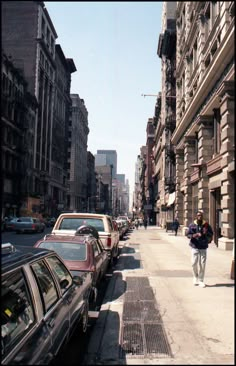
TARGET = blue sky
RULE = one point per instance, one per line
(114, 48)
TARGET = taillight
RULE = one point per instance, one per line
(109, 242)
(33, 226)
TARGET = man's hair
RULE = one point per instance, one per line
(199, 211)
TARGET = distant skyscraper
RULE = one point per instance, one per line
(108, 157)
(100, 159)
(121, 178)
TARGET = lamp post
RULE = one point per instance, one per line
(111, 166)
(88, 205)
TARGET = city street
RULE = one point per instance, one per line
(28, 239)
(149, 312)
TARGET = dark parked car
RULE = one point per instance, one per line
(82, 252)
(29, 225)
(10, 224)
(42, 305)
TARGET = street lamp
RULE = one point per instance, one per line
(111, 167)
(88, 205)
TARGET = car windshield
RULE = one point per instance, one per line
(68, 251)
(73, 223)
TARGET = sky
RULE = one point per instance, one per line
(114, 48)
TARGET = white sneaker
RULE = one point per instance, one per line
(195, 281)
(202, 284)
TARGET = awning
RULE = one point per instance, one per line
(171, 199)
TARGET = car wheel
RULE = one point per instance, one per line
(84, 320)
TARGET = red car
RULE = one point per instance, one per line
(82, 252)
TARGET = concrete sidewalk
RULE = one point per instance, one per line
(198, 322)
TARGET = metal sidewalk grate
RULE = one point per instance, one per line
(140, 311)
(144, 340)
(132, 340)
(142, 330)
(156, 340)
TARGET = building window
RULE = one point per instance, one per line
(217, 141)
(195, 55)
(194, 199)
(196, 147)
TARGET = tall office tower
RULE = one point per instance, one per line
(121, 178)
(31, 44)
(111, 159)
(28, 36)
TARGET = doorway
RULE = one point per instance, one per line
(217, 214)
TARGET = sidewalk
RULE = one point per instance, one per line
(198, 322)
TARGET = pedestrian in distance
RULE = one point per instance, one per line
(145, 222)
(200, 234)
(136, 223)
(175, 225)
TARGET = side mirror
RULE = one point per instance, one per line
(64, 283)
(77, 280)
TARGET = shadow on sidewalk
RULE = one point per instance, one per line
(221, 285)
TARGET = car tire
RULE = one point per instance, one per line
(83, 326)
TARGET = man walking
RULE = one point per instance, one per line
(145, 222)
(175, 225)
(200, 234)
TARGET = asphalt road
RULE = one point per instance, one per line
(28, 239)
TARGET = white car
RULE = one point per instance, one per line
(68, 223)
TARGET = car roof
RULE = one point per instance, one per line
(65, 237)
(21, 255)
(83, 214)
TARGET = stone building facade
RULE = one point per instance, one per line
(62, 105)
(164, 121)
(77, 155)
(204, 134)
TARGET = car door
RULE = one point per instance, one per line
(25, 337)
(55, 307)
(112, 231)
(104, 256)
(73, 295)
(98, 260)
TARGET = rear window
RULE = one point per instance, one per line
(67, 251)
(25, 219)
(73, 223)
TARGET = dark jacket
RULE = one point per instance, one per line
(175, 225)
(206, 234)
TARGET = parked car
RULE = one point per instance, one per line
(82, 252)
(42, 305)
(10, 224)
(29, 224)
(70, 222)
(124, 226)
(116, 228)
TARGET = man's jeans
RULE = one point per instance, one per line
(199, 257)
